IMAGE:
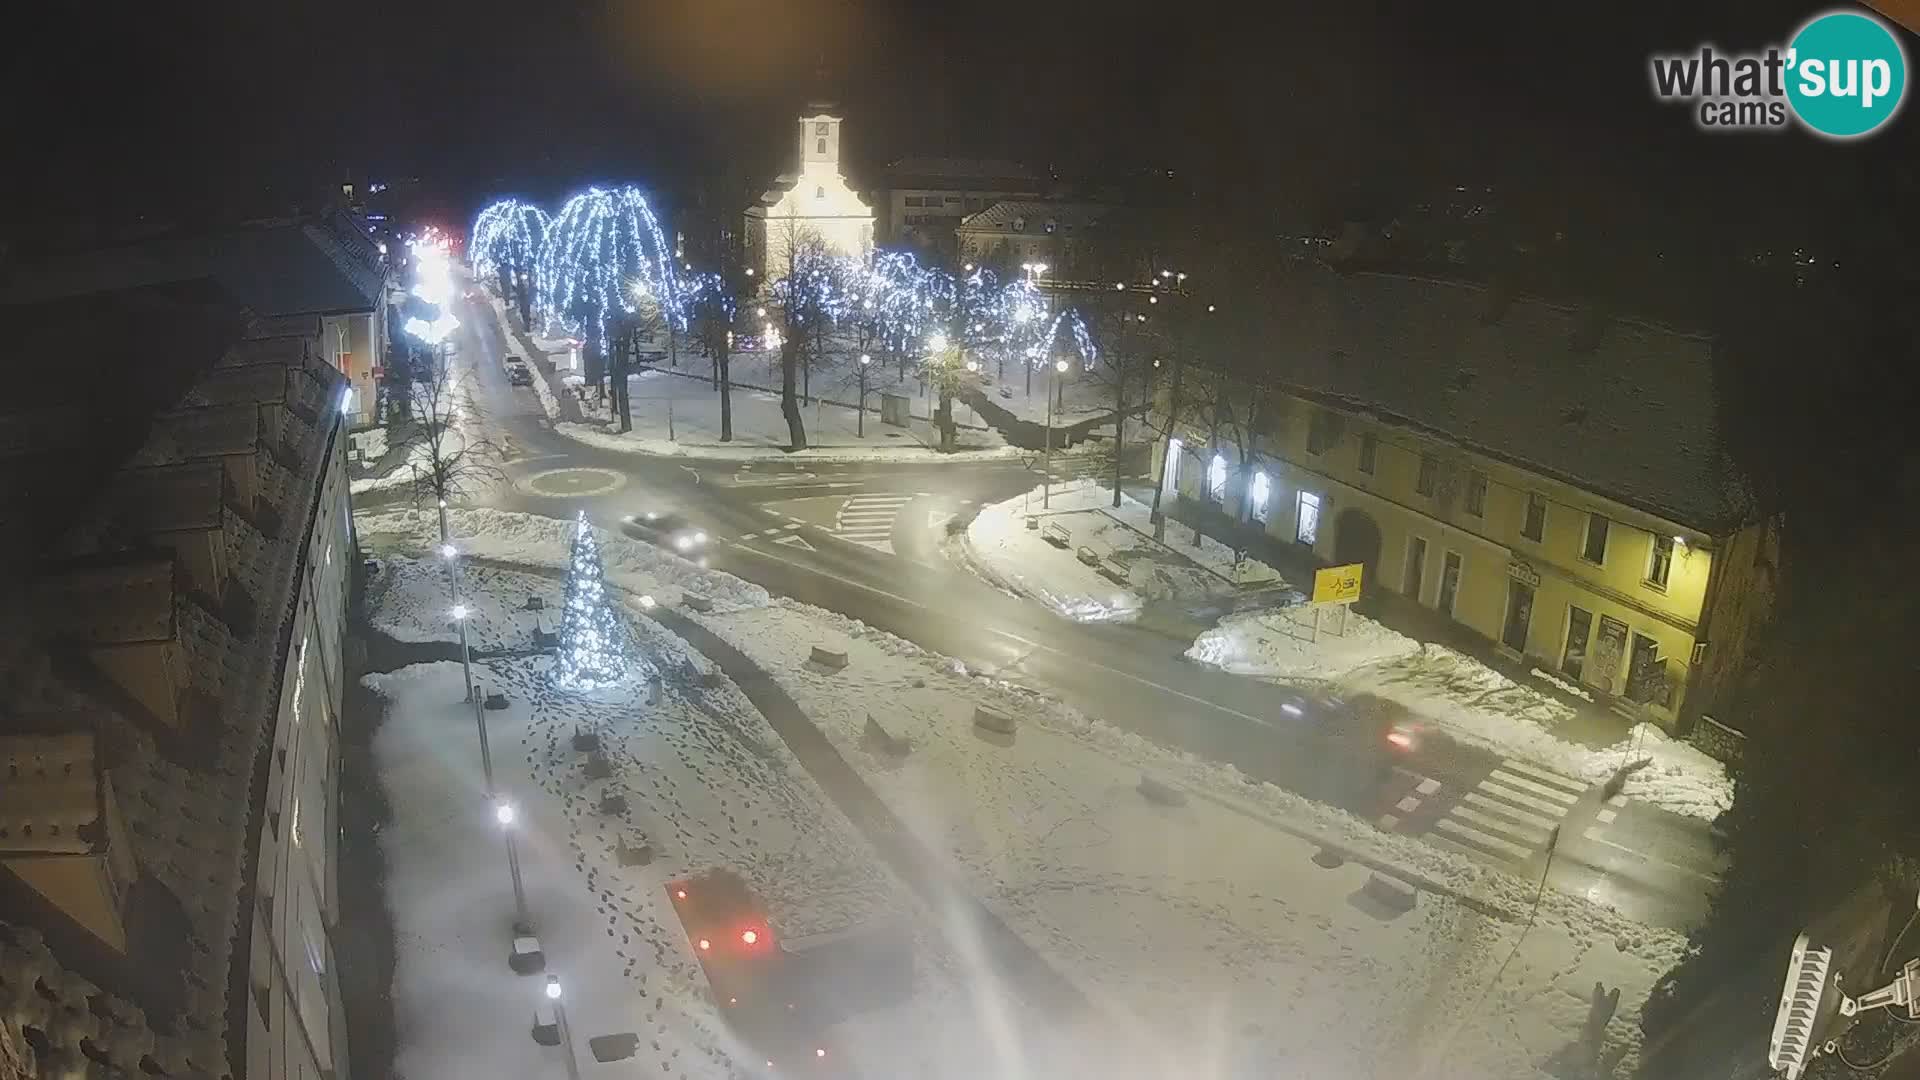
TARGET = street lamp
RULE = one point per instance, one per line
(560, 1021)
(460, 614)
(860, 419)
(1046, 477)
(503, 813)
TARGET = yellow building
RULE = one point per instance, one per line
(1546, 477)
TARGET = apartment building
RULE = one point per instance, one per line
(923, 199)
(177, 537)
(1546, 477)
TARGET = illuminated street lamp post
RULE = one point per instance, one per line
(1046, 477)
(460, 613)
(560, 1021)
(860, 423)
(503, 812)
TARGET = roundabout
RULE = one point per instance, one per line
(572, 482)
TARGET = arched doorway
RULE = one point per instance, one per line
(1356, 539)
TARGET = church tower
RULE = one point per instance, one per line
(820, 139)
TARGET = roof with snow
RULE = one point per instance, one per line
(1020, 216)
(184, 756)
(321, 265)
(1622, 408)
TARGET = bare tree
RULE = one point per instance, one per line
(808, 293)
(1125, 368)
(450, 456)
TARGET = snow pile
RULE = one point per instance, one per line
(1241, 963)
(1286, 643)
(1000, 547)
(509, 536)
(372, 443)
(417, 461)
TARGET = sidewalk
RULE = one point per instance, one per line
(1592, 725)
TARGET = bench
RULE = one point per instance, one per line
(1056, 534)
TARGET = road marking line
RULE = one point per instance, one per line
(795, 540)
(1617, 800)
(1493, 787)
(1387, 822)
(792, 526)
(1545, 776)
(1500, 826)
(748, 536)
(1689, 871)
(1607, 814)
(1473, 837)
(1407, 805)
(1428, 786)
(1516, 781)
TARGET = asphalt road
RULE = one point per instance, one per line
(788, 527)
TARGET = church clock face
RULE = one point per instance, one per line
(820, 127)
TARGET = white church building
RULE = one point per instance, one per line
(816, 199)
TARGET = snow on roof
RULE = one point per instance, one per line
(1621, 408)
(1033, 216)
(189, 802)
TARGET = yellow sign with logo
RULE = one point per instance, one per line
(1337, 584)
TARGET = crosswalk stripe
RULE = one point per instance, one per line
(1472, 837)
(1428, 786)
(1545, 776)
(1497, 788)
(1564, 798)
(1540, 823)
(1606, 815)
(1500, 826)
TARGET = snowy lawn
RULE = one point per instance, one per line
(1461, 696)
(410, 600)
(1084, 395)
(1000, 546)
(1207, 926)
(508, 536)
(759, 427)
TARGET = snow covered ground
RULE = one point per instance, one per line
(1083, 395)
(1461, 696)
(532, 540)
(1227, 965)
(1000, 546)
(679, 415)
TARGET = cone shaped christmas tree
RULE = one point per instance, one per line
(592, 641)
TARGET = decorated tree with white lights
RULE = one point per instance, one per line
(506, 242)
(592, 641)
(604, 258)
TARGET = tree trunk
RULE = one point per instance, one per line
(724, 379)
(789, 400)
(943, 419)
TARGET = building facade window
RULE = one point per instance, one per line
(1477, 493)
(1170, 468)
(1306, 529)
(1428, 480)
(1535, 525)
(1660, 561)
(1217, 479)
(1573, 658)
(1450, 569)
(1513, 631)
(1594, 550)
(1415, 580)
(820, 147)
(1369, 453)
(1319, 433)
(1259, 498)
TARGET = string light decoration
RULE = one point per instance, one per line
(592, 641)
(601, 245)
(507, 236)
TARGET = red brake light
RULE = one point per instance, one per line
(1400, 739)
(679, 894)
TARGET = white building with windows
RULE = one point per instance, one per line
(816, 199)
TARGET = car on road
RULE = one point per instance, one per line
(1344, 750)
(668, 529)
(518, 374)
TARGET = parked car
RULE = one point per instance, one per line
(668, 529)
(518, 374)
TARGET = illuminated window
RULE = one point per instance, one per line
(1217, 479)
(1660, 561)
(1306, 528)
(1258, 497)
(1170, 469)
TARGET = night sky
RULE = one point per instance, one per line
(184, 110)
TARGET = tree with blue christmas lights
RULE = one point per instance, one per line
(506, 241)
(592, 641)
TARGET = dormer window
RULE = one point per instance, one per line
(820, 192)
(1019, 224)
